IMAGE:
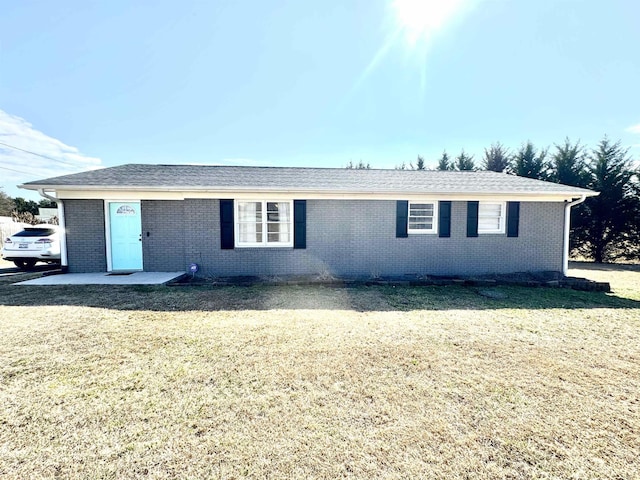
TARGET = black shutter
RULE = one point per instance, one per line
(472, 219)
(299, 224)
(402, 214)
(513, 218)
(444, 219)
(226, 224)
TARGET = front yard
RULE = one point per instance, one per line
(315, 382)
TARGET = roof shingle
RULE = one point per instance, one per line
(204, 177)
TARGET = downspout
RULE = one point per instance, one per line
(63, 230)
(567, 228)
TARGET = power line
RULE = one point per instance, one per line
(38, 155)
(17, 171)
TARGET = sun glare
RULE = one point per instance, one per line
(421, 19)
(416, 23)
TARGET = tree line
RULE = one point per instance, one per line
(603, 228)
(21, 210)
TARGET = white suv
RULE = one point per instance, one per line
(39, 243)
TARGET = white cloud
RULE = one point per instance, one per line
(633, 129)
(18, 166)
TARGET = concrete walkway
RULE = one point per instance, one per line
(136, 278)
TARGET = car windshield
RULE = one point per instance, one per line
(35, 232)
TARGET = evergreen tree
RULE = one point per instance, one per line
(445, 162)
(420, 163)
(630, 243)
(610, 219)
(44, 203)
(529, 162)
(464, 162)
(358, 166)
(568, 165)
(496, 158)
(25, 206)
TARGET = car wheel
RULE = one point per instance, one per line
(26, 264)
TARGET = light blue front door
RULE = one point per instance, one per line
(125, 230)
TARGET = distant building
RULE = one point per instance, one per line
(46, 214)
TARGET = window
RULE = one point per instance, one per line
(491, 217)
(263, 224)
(422, 217)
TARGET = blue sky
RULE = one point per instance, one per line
(308, 83)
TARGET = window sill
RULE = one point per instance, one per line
(261, 247)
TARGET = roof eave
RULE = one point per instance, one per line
(574, 193)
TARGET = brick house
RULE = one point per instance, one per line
(293, 221)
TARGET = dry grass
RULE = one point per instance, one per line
(312, 382)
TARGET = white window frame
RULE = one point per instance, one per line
(434, 229)
(502, 220)
(264, 243)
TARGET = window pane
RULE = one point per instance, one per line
(422, 226)
(278, 211)
(421, 209)
(490, 217)
(278, 232)
(264, 222)
(421, 216)
(250, 211)
(489, 209)
(421, 221)
(278, 237)
(489, 223)
(250, 232)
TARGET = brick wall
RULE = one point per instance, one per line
(163, 235)
(358, 238)
(345, 238)
(86, 250)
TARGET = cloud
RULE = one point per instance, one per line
(18, 137)
(633, 129)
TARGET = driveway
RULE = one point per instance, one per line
(8, 269)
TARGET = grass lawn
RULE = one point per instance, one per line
(316, 382)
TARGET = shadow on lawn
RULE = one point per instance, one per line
(605, 267)
(360, 298)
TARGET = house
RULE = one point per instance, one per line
(45, 215)
(293, 221)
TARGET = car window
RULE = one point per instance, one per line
(35, 232)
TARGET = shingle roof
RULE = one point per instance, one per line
(204, 177)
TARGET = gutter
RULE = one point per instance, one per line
(567, 228)
(299, 190)
(63, 230)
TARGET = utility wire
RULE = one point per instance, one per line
(38, 155)
(18, 171)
